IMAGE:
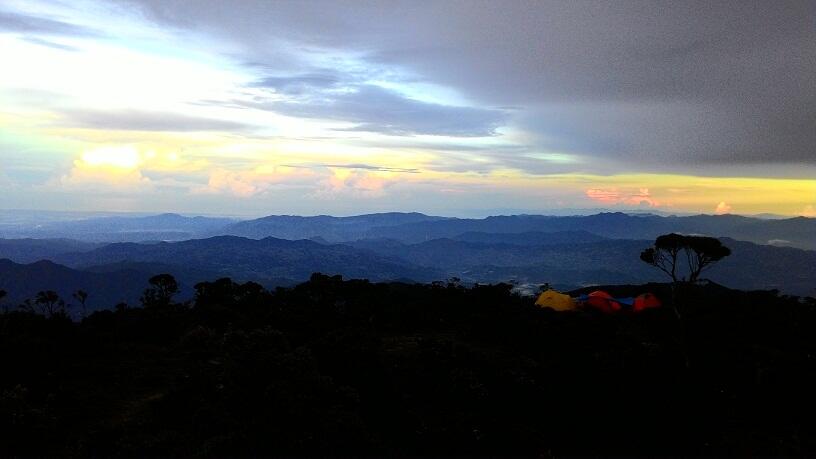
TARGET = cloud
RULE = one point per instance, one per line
(135, 120)
(405, 170)
(24, 23)
(232, 182)
(50, 44)
(613, 196)
(353, 183)
(666, 85)
(83, 177)
(607, 196)
(375, 109)
(299, 84)
(316, 181)
(112, 167)
(256, 181)
(722, 208)
(127, 167)
(463, 94)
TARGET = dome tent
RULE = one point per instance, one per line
(555, 300)
(646, 301)
(602, 301)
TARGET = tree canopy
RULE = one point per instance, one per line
(699, 252)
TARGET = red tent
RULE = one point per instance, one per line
(602, 301)
(645, 301)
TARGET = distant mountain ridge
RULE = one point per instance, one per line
(416, 227)
(568, 252)
(31, 250)
(531, 237)
(261, 260)
(119, 272)
(797, 232)
(329, 228)
(167, 226)
(569, 264)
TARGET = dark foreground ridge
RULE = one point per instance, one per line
(341, 367)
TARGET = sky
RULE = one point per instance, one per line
(447, 107)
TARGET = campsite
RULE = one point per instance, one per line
(597, 300)
(337, 366)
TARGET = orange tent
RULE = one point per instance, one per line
(645, 301)
(602, 301)
(555, 300)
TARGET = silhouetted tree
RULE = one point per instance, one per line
(702, 252)
(664, 254)
(409, 369)
(163, 287)
(82, 297)
(221, 291)
(50, 303)
(3, 294)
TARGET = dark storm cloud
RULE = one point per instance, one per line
(132, 120)
(659, 83)
(22, 23)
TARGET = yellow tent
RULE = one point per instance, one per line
(558, 301)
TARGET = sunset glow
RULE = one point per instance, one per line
(120, 98)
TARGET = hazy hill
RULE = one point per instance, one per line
(751, 266)
(187, 276)
(415, 227)
(23, 281)
(330, 228)
(567, 259)
(121, 228)
(259, 260)
(531, 237)
(799, 232)
(31, 250)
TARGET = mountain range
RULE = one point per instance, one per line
(119, 228)
(796, 232)
(567, 252)
(267, 260)
(415, 227)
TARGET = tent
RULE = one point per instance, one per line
(556, 300)
(602, 301)
(646, 301)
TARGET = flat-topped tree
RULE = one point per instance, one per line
(663, 255)
(700, 253)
